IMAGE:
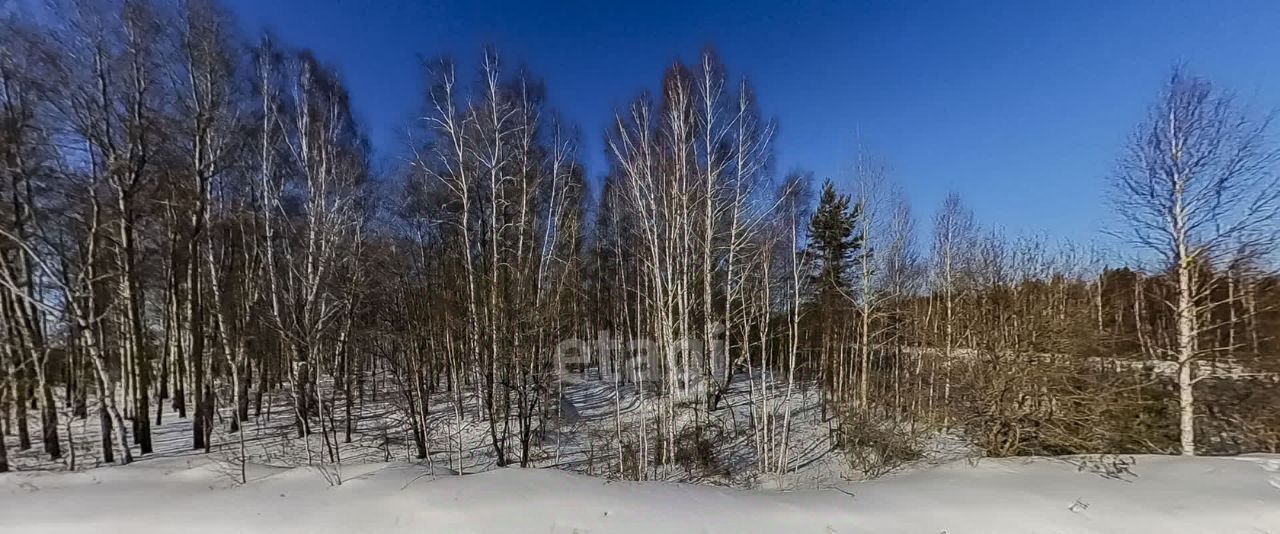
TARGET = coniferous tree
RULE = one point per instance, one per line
(834, 241)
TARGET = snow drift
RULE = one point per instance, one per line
(1043, 495)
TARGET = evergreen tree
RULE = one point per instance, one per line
(834, 240)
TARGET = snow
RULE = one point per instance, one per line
(198, 494)
(585, 444)
(382, 490)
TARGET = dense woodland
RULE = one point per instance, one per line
(192, 220)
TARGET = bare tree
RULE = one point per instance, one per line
(1196, 187)
(953, 237)
(28, 67)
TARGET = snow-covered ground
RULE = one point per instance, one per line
(382, 489)
(1060, 496)
(586, 443)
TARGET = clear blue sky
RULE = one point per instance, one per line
(1021, 106)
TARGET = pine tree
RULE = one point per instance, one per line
(834, 242)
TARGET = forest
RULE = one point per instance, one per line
(195, 233)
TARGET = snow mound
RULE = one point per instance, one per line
(1041, 495)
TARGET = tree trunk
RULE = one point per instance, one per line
(19, 388)
(1186, 356)
(107, 396)
(4, 450)
(48, 414)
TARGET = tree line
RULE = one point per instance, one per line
(194, 218)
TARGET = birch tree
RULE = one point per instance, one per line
(1196, 186)
(28, 67)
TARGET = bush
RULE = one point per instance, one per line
(1064, 406)
(1238, 416)
(874, 446)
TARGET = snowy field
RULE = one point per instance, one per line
(584, 442)
(380, 488)
(1060, 496)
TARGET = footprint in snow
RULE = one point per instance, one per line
(1078, 506)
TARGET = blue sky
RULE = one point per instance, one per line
(1021, 106)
